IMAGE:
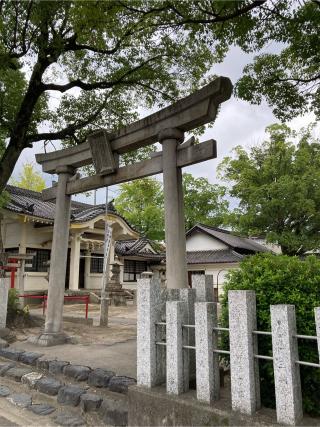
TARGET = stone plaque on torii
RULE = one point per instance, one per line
(167, 127)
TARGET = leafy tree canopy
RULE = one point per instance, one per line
(141, 203)
(75, 66)
(203, 202)
(29, 179)
(278, 187)
(290, 79)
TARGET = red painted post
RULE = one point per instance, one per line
(13, 271)
(87, 306)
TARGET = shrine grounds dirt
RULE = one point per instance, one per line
(112, 347)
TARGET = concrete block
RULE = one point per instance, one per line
(150, 357)
(317, 318)
(177, 357)
(245, 390)
(286, 370)
(203, 284)
(207, 362)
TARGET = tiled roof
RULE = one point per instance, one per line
(213, 257)
(135, 248)
(234, 242)
(30, 203)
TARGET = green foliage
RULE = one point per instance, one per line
(13, 303)
(29, 179)
(278, 186)
(203, 202)
(141, 203)
(289, 80)
(140, 53)
(282, 280)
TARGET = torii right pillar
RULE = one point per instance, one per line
(176, 259)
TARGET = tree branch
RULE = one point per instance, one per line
(98, 85)
(217, 18)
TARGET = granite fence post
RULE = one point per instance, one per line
(317, 317)
(150, 357)
(286, 370)
(203, 284)
(245, 390)
(177, 357)
(4, 289)
(189, 296)
(207, 362)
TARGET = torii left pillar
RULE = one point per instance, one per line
(53, 333)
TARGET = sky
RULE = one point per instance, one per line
(238, 123)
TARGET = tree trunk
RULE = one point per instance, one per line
(8, 162)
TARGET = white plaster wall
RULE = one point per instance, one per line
(203, 242)
(37, 238)
(35, 281)
(218, 271)
(12, 234)
(93, 281)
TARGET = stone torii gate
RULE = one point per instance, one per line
(167, 126)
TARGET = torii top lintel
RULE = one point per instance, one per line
(186, 114)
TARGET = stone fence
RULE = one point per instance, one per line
(177, 339)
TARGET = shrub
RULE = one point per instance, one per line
(281, 279)
(14, 313)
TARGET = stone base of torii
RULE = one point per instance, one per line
(168, 127)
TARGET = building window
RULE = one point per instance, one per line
(39, 261)
(96, 263)
(133, 269)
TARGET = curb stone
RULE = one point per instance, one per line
(70, 395)
(30, 358)
(48, 385)
(17, 373)
(78, 372)
(41, 409)
(22, 400)
(90, 402)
